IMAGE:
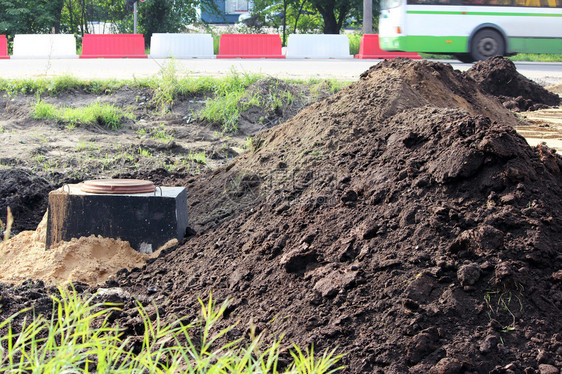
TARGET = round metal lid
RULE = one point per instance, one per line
(118, 186)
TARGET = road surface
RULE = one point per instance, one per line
(348, 70)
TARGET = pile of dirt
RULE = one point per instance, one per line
(499, 77)
(402, 220)
(90, 260)
(26, 195)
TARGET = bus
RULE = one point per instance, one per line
(471, 29)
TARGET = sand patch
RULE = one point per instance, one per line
(557, 88)
(88, 259)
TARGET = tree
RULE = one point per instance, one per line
(335, 12)
(28, 16)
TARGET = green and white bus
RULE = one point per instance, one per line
(471, 29)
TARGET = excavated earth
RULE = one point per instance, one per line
(401, 220)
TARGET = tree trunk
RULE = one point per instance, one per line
(301, 6)
(58, 15)
(285, 5)
(330, 22)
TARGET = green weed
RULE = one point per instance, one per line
(157, 133)
(501, 301)
(354, 43)
(79, 338)
(106, 115)
(144, 152)
(225, 107)
(83, 146)
(198, 157)
(166, 87)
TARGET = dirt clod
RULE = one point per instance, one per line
(499, 77)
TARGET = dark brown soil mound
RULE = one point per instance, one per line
(26, 195)
(402, 220)
(499, 77)
(414, 235)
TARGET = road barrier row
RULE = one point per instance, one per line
(320, 46)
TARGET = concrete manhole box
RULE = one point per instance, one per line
(120, 209)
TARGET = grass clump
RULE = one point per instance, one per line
(354, 43)
(198, 157)
(79, 338)
(225, 107)
(166, 89)
(106, 115)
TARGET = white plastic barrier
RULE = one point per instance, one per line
(181, 46)
(318, 46)
(44, 46)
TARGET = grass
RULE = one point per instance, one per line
(354, 43)
(165, 90)
(198, 157)
(225, 107)
(106, 115)
(159, 133)
(57, 85)
(544, 57)
(78, 338)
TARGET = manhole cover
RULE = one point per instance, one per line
(118, 186)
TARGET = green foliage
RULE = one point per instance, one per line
(546, 57)
(166, 87)
(198, 157)
(102, 114)
(160, 16)
(354, 43)
(28, 16)
(79, 338)
(74, 16)
(335, 12)
(225, 107)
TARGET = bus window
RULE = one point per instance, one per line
(389, 4)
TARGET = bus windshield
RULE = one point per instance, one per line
(388, 4)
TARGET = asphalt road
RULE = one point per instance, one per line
(349, 70)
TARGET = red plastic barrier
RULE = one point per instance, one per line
(113, 46)
(3, 47)
(250, 46)
(370, 49)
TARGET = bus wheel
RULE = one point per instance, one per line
(486, 43)
(464, 57)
